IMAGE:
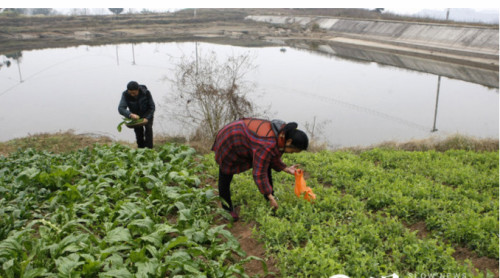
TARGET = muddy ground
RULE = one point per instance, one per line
(20, 33)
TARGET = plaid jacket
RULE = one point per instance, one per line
(238, 148)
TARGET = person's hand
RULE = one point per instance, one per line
(272, 202)
(145, 120)
(134, 116)
(291, 169)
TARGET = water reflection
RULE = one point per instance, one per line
(486, 77)
(118, 56)
(357, 97)
(434, 129)
(16, 56)
(133, 55)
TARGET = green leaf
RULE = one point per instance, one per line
(191, 269)
(113, 249)
(145, 225)
(28, 175)
(114, 261)
(119, 127)
(138, 255)
(118, 234)
(91, 268)
(156, 237)
(66, 265)
(181, 240)
(118, 273)
(71, 243)
(147, 269)
(11, 247)
(127, 121)
(8, 264)
(34, 272)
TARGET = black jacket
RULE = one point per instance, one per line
(142, 105)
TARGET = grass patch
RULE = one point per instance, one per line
(54, 142)
(454, 142)
(67, 141)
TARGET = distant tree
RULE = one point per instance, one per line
(16, 11)
(116, 11)
(15, 55)
(5, 62)
(77, 11)
(43, 11)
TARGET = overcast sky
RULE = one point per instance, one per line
(398, 6)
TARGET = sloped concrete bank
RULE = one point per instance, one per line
(476, 44)
(466, 73)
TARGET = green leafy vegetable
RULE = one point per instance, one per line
(112, 211)
(368, 205)
(127, 121)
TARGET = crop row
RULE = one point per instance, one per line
(358, 223)
(112, 211)
(455, 193)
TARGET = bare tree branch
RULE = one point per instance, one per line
(209, 94)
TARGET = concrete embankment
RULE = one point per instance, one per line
(474, 44)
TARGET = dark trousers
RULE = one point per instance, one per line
(225, 188)
(144, 135)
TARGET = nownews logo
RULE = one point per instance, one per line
(438, 275)
(413, 275)
(394, 275)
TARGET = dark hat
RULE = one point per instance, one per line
(132, 85)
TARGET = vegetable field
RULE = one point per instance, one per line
(361, 223)
(115, 211)
(112, 211)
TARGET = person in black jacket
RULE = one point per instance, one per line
(137, 102)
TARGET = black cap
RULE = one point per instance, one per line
(132, 85)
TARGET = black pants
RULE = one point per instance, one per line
(225, 188)
(144, 135)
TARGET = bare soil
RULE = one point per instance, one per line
(20, 33)
(243, 232)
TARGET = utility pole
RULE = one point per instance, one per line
(19, 69)
(196, 45)
(133, 55)
(117, 60)
(434, 129)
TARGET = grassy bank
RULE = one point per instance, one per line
(69, 141)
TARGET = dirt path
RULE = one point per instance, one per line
(243, 232)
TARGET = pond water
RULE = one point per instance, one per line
(353, 102)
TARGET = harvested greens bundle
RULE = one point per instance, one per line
(131, 123)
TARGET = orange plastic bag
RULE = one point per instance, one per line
(302, 188)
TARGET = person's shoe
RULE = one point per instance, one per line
(235, 216)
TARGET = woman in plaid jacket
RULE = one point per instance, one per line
(257, 144)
